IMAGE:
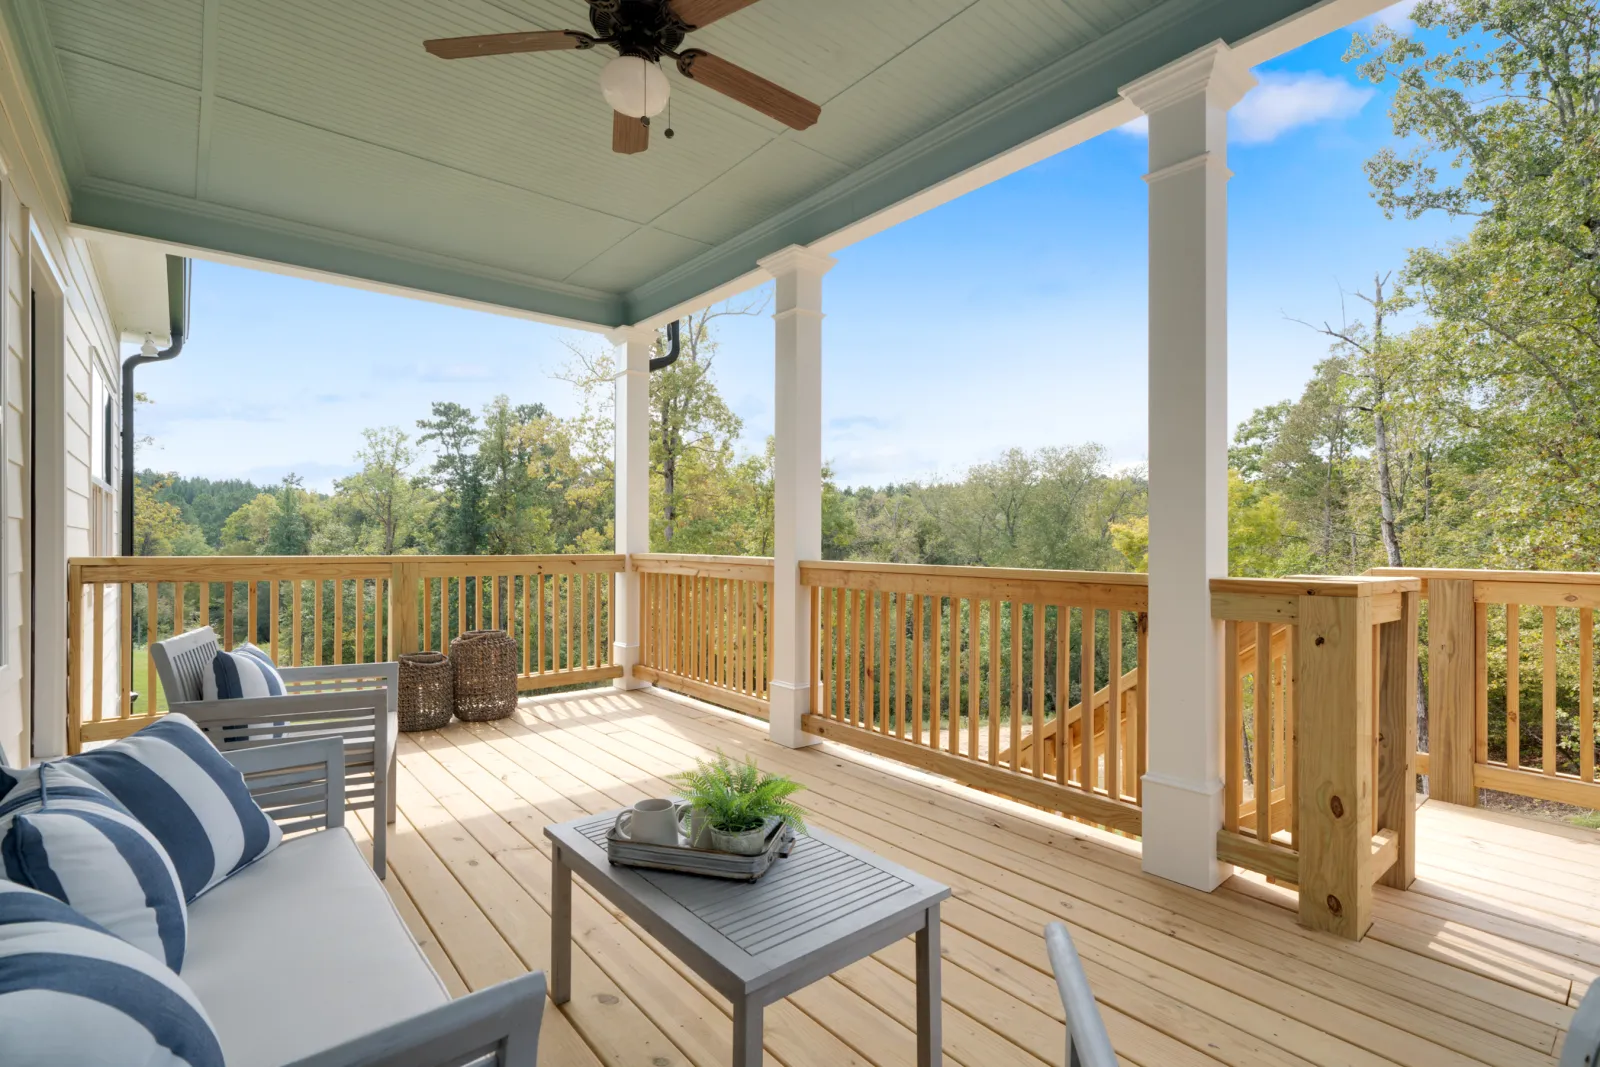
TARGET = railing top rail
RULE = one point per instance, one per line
(688, 557)
(1110, 590)
(1315, 585)
(1026, 574)
(1460, 574)
(243, 568)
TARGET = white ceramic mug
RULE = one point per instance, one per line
(651, 822)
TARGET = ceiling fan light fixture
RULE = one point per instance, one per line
(634, 86)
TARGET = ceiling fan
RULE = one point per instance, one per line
(643, 32)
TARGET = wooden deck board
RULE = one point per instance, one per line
(1480, 964)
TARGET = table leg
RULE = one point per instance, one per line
(747, 1033)
(560, 928)
(930, 1038)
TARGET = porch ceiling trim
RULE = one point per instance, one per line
(1074, 98)
(199, 228)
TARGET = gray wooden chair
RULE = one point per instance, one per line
(1088, 1044)
(355, 702)
(1582, 1045)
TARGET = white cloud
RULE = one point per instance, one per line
(1282, 102)
(1397, 16)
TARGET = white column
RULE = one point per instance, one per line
(1187, 103)
(797, 488)
(634, 347)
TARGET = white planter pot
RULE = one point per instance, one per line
(748, 843)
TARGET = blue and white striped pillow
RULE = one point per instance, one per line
(66, 838)
(245, 672)
(72, 993)
(191, 799)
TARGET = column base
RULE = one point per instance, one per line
(1179, 839)
(627, 657)
(790, 703)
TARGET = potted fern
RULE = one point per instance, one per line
(737, 804)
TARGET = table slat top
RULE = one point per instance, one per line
(827, 892)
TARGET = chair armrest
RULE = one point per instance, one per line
(371, 675)
(498, 1025)
(299, 784)
(1088, 1045)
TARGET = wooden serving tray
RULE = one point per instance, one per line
(683, 858)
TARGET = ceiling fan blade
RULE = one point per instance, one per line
(502, 44)
(697, 13)
(629, 136)
(749, 89)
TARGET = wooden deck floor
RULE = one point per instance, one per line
(1481, 963)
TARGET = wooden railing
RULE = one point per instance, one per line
(324, 609)
(972, 672)
(704, 627)
(1319, 737)
(1491, 636)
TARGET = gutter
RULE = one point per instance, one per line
(178, 310)
(673, 347)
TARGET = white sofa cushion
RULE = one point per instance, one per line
(303, 950)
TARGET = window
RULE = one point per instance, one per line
(102, 463)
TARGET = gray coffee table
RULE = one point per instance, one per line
(828, 904)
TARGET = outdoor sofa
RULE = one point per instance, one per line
(301, 958)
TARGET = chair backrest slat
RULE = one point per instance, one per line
(181, 663)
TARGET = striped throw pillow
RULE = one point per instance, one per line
(66, 838)
(191, 799)
(72, 993)
(245, 672)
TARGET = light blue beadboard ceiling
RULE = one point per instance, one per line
(318, 133)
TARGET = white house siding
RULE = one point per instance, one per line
(33, 199)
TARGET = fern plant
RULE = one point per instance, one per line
(736, 797)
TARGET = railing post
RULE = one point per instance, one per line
(1334, 744)
(1452, 690)
(405, 582)
(797, 481)
(1397, 737)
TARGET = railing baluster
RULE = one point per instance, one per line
(1036, 702)
(1089, 763)
(1585, 694)
(1548, 692)
(1015, 731)
(1513, 687)
(1232, 727)
(974, 674)
(1113, 702)
(1262, 768)
(918, 608)
(152, 635)
(272, 629)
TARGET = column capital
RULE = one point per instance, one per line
(1212, 70)
(623, 335)
(797, 260)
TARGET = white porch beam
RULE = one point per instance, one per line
(797, 478)
(634, 345)
(1187, 102)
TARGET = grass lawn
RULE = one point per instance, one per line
(141, 665)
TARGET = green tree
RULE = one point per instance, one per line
(389, 506)
(1503, 127)
(453, 431)
(159, 528)
(290, 534)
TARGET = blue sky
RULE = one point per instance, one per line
(1012, 316)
